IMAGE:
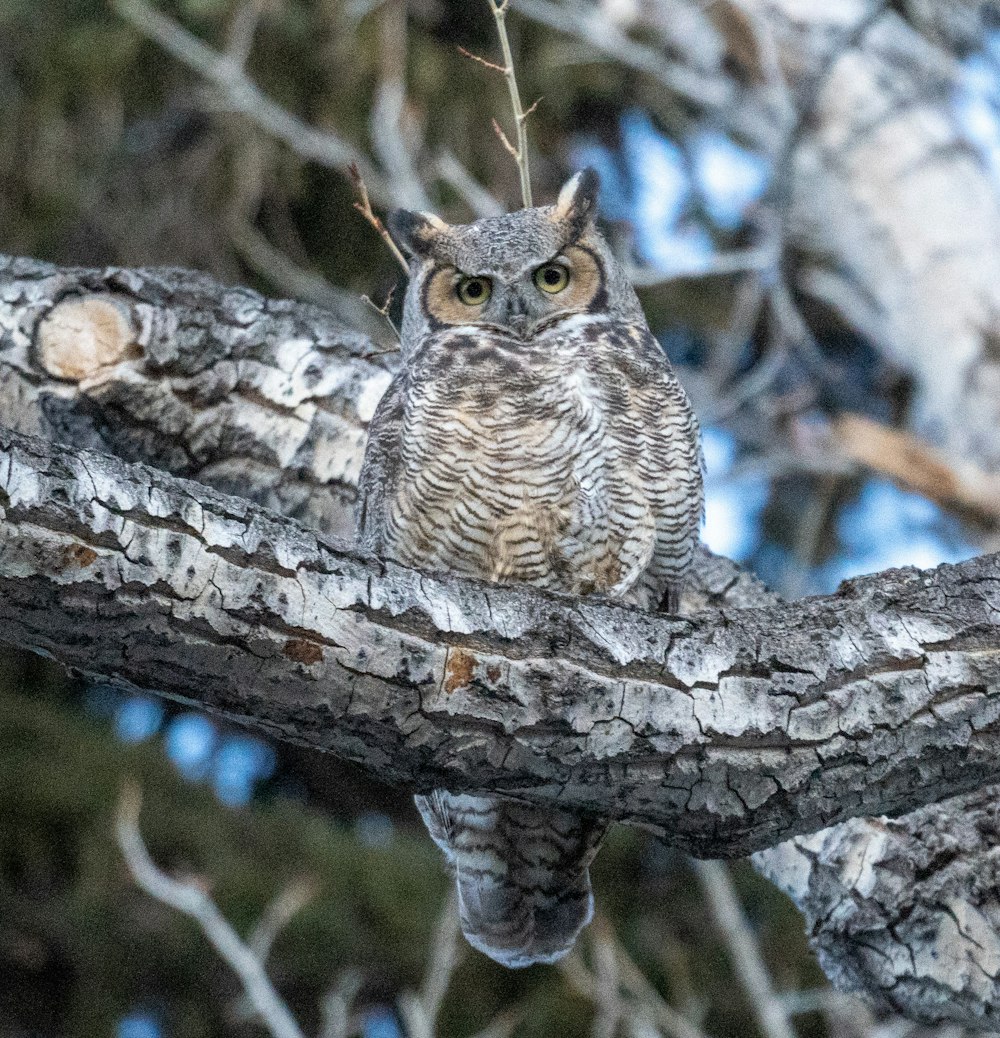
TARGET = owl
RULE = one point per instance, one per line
(534, 433)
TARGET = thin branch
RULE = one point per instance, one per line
(587, 23)
(383, 312)
(242, 29)
(335, 1008)
(364, 207)
(193, 902)
(520, 153)
(915, 465)
(607, 983)
(285, 274)
(504, 140)
(393, 127)
(420, 1012)
(278, 914)
(225, 72)
(645, 1005)
(445, 956)
(482, 61)
(772, 1016)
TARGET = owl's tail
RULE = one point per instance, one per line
(522, 873)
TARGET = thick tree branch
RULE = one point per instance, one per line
(257, 397)
(906, 911)
(725, 731)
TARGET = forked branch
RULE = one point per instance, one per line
(519, 151)
(191, 900)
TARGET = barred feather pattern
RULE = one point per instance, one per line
(568, 461)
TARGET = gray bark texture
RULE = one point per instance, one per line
(727, 730)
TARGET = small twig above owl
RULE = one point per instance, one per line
(519, 152)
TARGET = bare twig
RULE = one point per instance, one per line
(285, 274)
(520, 151)
(482, 61)
(242, 29)
(336, 1005)
(393, 127)
(504, 139)
(279, 913)
(445, 956)
(226, 73)
(503, 1025)
(364, 207)
(194, 902)
(651, 1003)
(645, 1005)
(607, 984)
(420, 1011)
(744, 951)
(383, 312)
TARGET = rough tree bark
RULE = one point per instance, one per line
(892, 226)
(728, 730)
(725, 731)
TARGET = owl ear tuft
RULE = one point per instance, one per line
(416, 233)
(577, 201)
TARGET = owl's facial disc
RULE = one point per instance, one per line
(537, 296)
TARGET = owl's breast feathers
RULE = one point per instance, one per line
(570, 461)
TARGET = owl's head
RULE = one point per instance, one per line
(523, 273)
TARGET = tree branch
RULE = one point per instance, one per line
(726, 732)
(906, 911)
(227, 74)
(191, 900)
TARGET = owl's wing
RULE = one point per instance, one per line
(380, 470)
(656, 439)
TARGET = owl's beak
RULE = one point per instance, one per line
(516, 316)
(518, 323)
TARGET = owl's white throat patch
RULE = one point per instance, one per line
(561, 324)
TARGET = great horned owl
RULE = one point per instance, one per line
(534, 433)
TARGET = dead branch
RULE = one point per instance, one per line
(191, 900)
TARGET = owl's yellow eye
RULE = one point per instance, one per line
(552, 277)
(474, 291)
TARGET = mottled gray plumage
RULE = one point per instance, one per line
(535, 433)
